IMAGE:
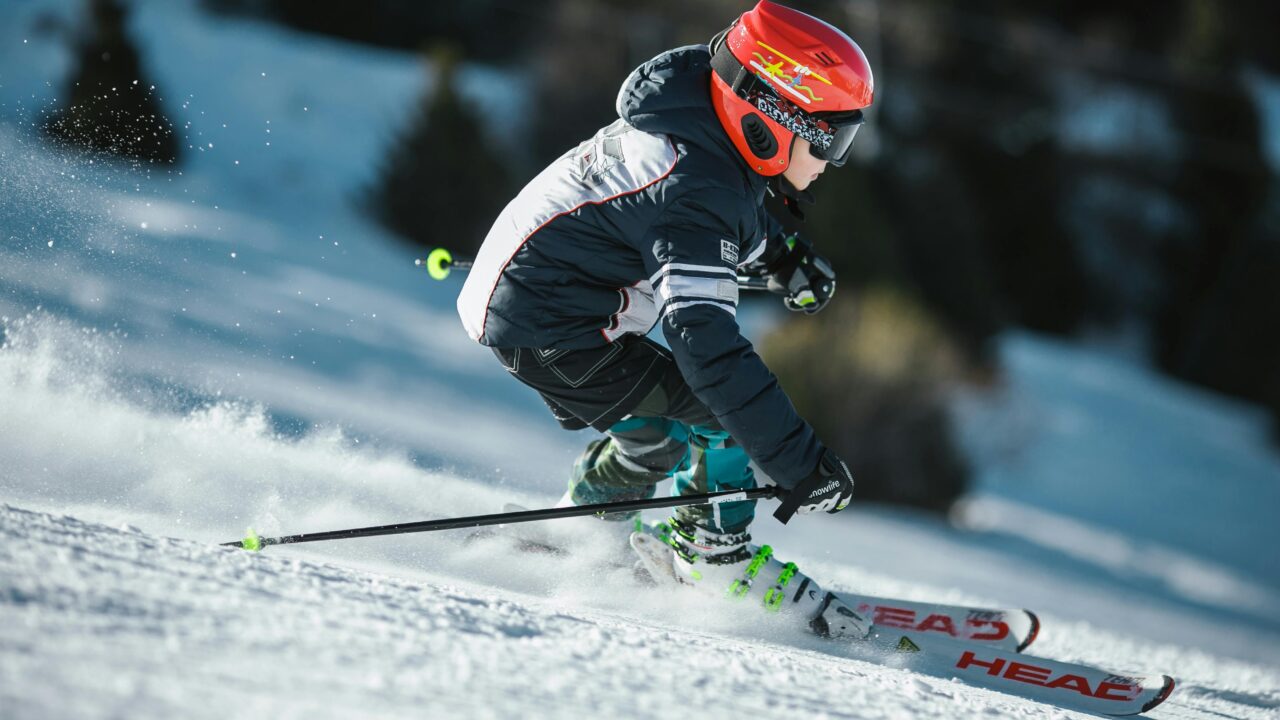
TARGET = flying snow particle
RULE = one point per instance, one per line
(50, 243)
(233, 255)
(143, 225)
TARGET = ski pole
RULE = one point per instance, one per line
(440, 262)
(253, 542)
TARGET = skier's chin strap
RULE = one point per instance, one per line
(791, 197)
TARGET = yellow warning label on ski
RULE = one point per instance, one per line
(905, 645)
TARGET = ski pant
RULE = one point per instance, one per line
(655, 428)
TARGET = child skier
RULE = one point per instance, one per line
(652, 220)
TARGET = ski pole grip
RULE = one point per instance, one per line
(790, 503)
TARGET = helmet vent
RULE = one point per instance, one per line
(824, 58)
(759, 139)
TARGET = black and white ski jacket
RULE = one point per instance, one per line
(646, 222)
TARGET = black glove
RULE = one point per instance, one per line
(829, 487)
(803, 276)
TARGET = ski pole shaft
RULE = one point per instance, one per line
(253, 542)
(440, 262)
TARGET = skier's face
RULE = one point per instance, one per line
(804, 168)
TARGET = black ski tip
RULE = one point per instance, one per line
(1165, 692)
(1031, 636)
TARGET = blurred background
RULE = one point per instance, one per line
(1058, 246)
(1096, 172)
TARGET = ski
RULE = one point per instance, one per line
(979, 646)
(979, 659)
(1012, 630)
(1062, 684)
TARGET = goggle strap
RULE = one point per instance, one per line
(733, 73)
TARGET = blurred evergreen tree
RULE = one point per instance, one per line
(1219, 324)
(442, 183)
(982, 194)
(112, 106)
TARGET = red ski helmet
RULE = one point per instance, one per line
(778, 73)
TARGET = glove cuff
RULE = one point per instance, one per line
(798, 494)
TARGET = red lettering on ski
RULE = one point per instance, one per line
(1071, 682)
(1116, 691)
(976, 628)
(1036, 675)
(894, 617)
(940, 623)
(968, 658)
(999, 629)
(1023, 672)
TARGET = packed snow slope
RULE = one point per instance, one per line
(106, 622)
(186, 353)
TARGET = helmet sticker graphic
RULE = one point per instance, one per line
(772, 71)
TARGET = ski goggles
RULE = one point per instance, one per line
(841, 130)
(830, 135)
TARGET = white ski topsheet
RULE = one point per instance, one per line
(941, 654)
(1066, 685)
(1006, 629)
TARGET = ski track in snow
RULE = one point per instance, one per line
(104, 622)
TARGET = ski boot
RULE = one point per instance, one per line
(729, 565)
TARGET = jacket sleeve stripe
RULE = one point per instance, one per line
(719, 288)
(687, 269)
(678, 303)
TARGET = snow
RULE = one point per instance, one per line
(105, 622)
(187, 354)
